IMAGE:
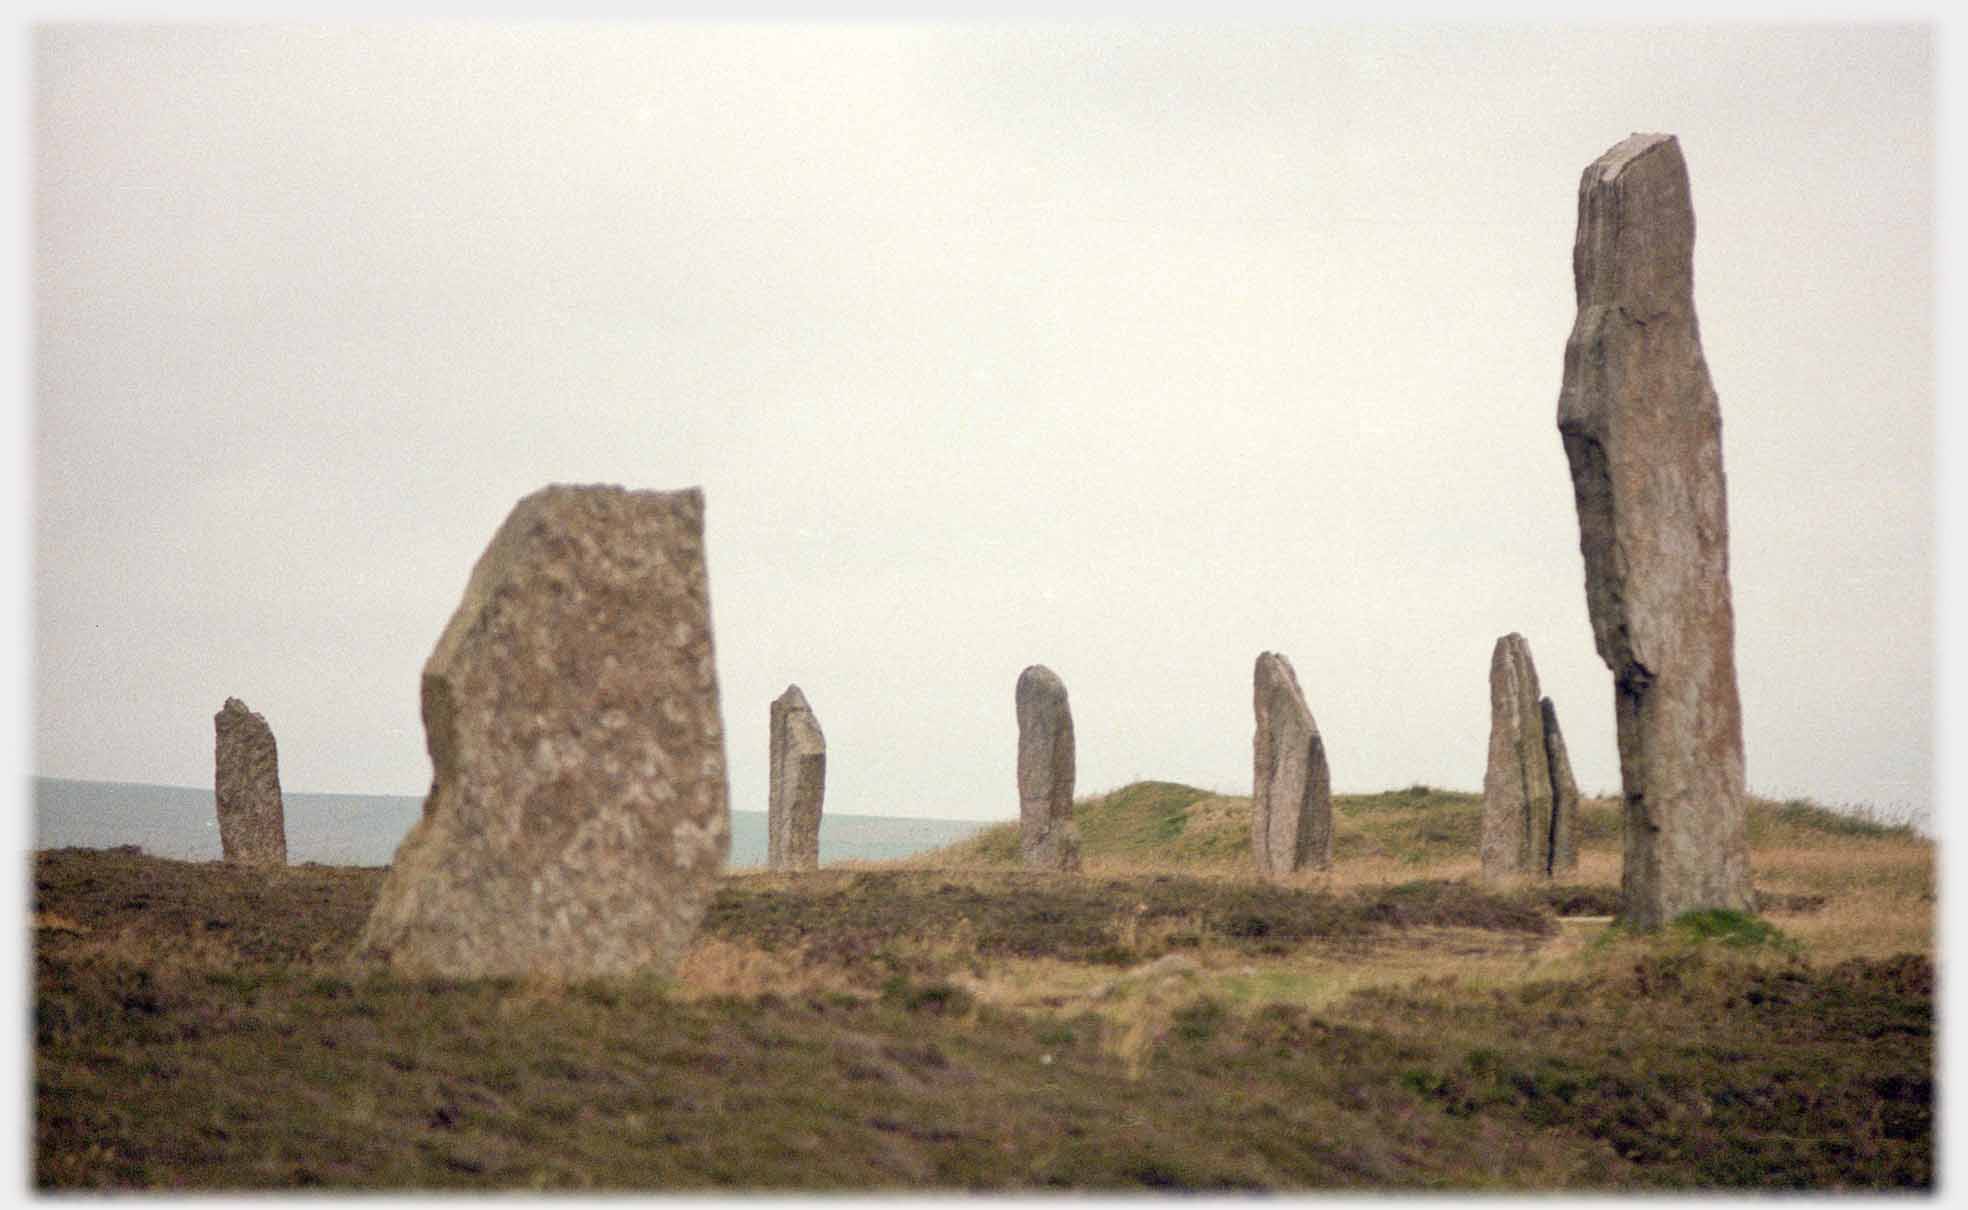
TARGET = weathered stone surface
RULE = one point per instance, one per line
(246, 782)
(1517, 781)
(578, 814)
(1564, 793)
(1047, 837)
(799, 784)
(1291, 785)
(1643, 433)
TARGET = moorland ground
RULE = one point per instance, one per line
(1162, 1020)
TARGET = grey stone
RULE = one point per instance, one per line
(799, 784)
(1564, 793)
(578, 814)
(1517, 796)
(1642, 432)
(1291, 785)
(1047, 837)
(246, 782)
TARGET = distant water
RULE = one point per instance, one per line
(180, 822)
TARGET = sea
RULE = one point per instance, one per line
(181, 822)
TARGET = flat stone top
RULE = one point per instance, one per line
(1617, 157)
(683, 496)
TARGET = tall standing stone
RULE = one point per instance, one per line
(799, 784)
(578, 813)
(1291, 785)
(1047, 838)
(1643, 435)
(1517, 780)
(1564, 793)
(246, 782)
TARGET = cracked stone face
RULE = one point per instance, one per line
(578, 813)
(1047, 836)
(1564, 793)
(1291, 786)
(246, 783)
(1642, 431)
(1517, 796)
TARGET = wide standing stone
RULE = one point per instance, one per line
(1643, 434)
(578, 814)
(1291, 785)
(1517, 780)
(246, 782)
(1047, 838)
(799, 784)
(1564, 793)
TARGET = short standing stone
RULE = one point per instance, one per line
(252, 818)
(1047, 838)
(799, 784)
(1517, 780)
(578, 814)
(1291, 786)
(1643, 435)
(1564, 793)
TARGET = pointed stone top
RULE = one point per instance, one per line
(802, 726)
(234, 706)
(792, 699)
(1274, 670)
(1506, 644)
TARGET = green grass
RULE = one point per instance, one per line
(960, 1024)
(1799, 818)
(1168, 823)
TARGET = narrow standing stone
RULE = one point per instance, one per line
(1643, 435)
(1517, 800)
(246, 782)
(799, 784)
(578, 816)
(1291, 786)
(1047, 838)
(1564, 793)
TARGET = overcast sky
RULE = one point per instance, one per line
(1130, 351)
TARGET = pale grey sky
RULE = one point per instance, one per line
(1132, 351)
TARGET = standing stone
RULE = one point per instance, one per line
(1517, 780)
(1564, 793)
(1047, 838)
(1291, 786)
(1643, 434)
(252, 817)
(578, 815)
(799, 784)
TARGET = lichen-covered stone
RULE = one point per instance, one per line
(1564, 793)
(798, 762)
(1291, 785)
(578, 814)
(1517, 780)
(1642, 432)
(1047, 837)
(246, 783)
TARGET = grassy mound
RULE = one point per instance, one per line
(1167, 823)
